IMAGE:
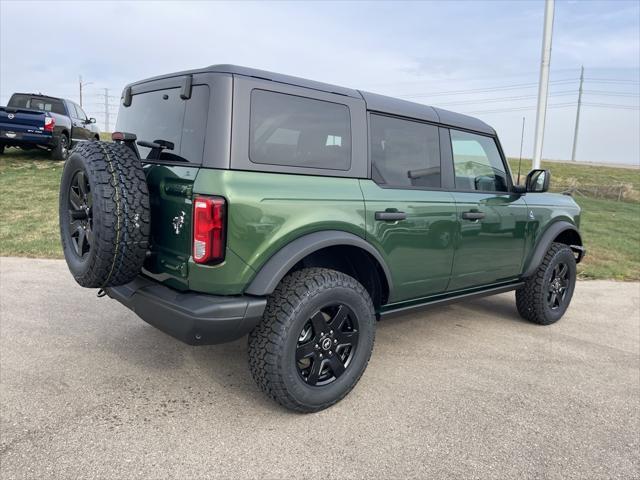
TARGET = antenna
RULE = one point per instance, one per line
(521, 142)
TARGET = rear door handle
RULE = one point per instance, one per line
(390, 216)
(473, 215)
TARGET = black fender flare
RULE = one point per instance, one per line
(545, 241)
(274, 270)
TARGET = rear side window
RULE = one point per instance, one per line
(163, 115)
(404, 154)
(296, 131)
(477, 163)
(18, 101)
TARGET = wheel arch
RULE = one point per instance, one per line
(335, 249)
(560, 232)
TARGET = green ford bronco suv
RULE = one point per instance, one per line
(235, 201)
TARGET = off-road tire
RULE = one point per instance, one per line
(120, 217)
(62, 149)
(272, 343)
(531, 299)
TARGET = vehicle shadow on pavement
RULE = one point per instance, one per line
(223, 369)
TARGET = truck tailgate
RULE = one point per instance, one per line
(22, 124)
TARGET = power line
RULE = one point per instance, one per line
(466, 78)
(505, 99)
(613, 105)
(612, 80)
(486, 89)
(611, 94)
(517, 109)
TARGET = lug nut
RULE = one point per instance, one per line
(331, 332)
(317, 346)
(335, 341)
(320, 355)
(330, 352)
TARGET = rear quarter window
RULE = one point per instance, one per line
(163, 115)
(289, 130)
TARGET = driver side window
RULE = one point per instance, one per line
(81, 113)
(477, 163)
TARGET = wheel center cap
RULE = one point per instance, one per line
(326, 343)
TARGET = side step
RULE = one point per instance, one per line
(439, 300)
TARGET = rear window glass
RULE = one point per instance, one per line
(163, 115)
(37, 103)
(297, 131)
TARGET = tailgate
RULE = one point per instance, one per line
(22, 120)
(170, 192)
(22, 126)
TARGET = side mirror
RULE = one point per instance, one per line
(538, 181)
(92, 120)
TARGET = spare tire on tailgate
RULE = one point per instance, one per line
(104, 214)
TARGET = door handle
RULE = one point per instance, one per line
(390, 216)
(473, 215)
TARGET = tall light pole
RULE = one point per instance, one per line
(543, 86)
(106, 110)
(81, 84)
(575, 132)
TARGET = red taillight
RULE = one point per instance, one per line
(208, 229)
(49, 123)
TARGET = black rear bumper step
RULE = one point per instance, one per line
(194, 318)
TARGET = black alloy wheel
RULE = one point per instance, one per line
(315, 339)
(547, 293)
(326, 345)
(80, 214)
(558, 286)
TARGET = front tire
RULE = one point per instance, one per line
(547, 293)
(314, 341)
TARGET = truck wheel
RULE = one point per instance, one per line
(1, 149)
(61, 151)
(547, 293)
(104, 214)
(314, 341)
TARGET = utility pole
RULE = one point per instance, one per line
(575, 132)
(106, 109)
(543, 85)
(82, 85)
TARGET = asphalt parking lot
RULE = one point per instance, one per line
(466, 391)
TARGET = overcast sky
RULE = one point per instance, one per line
(481, 51)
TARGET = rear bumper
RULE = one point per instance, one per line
(27, 138)
(194, 318)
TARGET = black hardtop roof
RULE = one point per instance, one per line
(374, 101)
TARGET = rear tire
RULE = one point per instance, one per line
(61, 151)
(547, 293)
(104, 214)
(314, 341)
(1, 149)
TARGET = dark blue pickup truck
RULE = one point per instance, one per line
(49, 123)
